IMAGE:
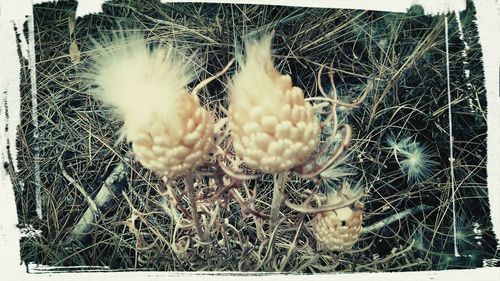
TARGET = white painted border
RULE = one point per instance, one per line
(488, 22)
(13, 12)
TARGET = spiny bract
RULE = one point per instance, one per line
(170, 132)
(273, 128)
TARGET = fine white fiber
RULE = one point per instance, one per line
(258, 80)
(140, 83)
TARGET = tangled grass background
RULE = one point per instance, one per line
(399, 151)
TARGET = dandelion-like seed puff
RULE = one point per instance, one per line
(414, 158)
(273, 128)
(171, 133)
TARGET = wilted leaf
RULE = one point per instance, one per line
(71, 23)
(74, 53)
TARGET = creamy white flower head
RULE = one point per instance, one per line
(272, 127)
(339, 229)
(146, 86)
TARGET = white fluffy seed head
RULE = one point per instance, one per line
(414, 158)
(272, 127)
(416, 162)
(138, 81)
(170, 133)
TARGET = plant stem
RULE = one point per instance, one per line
(396, 217)
(192, 202)
(279, 185)
(102, 202)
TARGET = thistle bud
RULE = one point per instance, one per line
(339, 229)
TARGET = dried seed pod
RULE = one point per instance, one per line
(170, 132)
(273, 129)
(175, 153)
(338, 230)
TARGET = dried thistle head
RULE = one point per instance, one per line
(339, 229)
(272, 127)
(146, 86)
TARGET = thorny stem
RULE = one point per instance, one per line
(279, 185)
(194, 210)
